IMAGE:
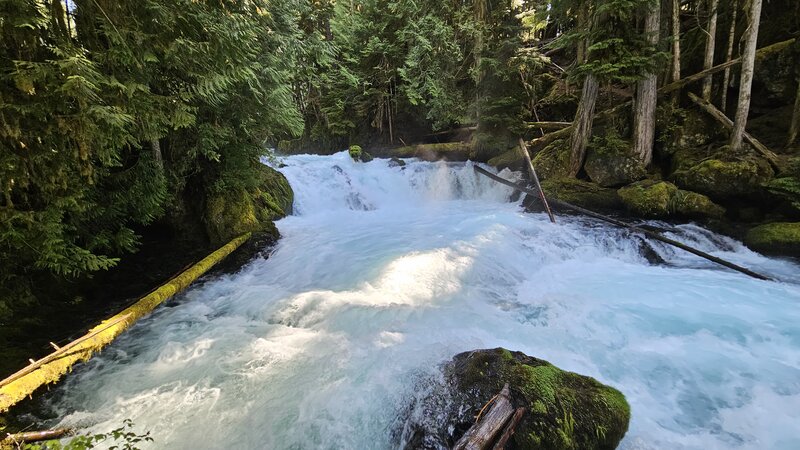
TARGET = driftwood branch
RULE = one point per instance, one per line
(510, 428)
(34, 436)
(523, 151)
(481, 435)
(720, 117)
(619, 223)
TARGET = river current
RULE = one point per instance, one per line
(384, 273)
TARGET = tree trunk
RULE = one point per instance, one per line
(644, 119)
(676, 40)
(582, 128)
(746, 83)
(726, 79)
(794, 130)
(711, 42)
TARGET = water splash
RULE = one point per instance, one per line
(387, 272)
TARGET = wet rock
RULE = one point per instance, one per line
(661, 199)
(396, 162)
(565, 410)
(781, 238)
(236, 211)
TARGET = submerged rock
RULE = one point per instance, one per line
(661, 199)
(236, 211)
(782, 238)
(564, 410)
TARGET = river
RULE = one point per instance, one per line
(383, 273)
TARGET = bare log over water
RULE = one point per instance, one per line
(481, 435)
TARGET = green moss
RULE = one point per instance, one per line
(566, 410)
(510, 159)
(553, 161)
(694, 205)
(719, 178)
(781, 238)
(355, 152)
(581, 193)
(648, 198)
(236, 211)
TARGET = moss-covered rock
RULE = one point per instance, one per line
(695, 206)
(449, 151)
(661, 199)
(689, 130)
(782, 238)
(648, 198)
(580, 193)
(564, 410)
(231, 213)
(726, 176)
(553, 160)
(508, 160)
(613, 169)
(355, 152)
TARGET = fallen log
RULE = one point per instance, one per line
(619, 223)
(19, 439)
(481, 435)
(52, 367)
(510, 428)
(720, 117)
(523, 150)
(548, 125)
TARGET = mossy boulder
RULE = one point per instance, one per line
(508, 160)
(553, 160)
(449, 151)
(782, 238)
(610, 169)
(358, 154)
(578, 192)
(236, 211)
(661, 199)
(690, 129)
(726, 176)
(564, 410)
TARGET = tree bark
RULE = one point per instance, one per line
(644, 119)
(746, 83)
(676, 40)
(794, 129)
(711, 42)
(726, 79)
(582, 125)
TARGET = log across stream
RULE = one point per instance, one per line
(384, 273)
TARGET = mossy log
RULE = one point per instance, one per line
(18, 440)
(51, 368)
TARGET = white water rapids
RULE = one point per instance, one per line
(384, 273)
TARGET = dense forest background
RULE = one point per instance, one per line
(122, 119)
